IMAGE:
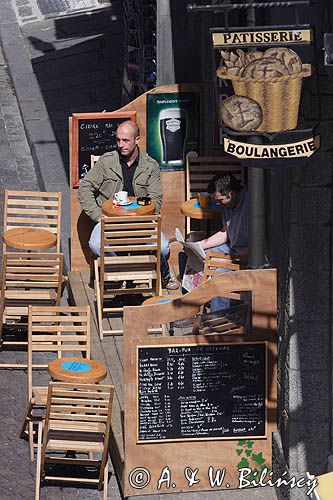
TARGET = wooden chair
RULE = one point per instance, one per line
(58, 331)
(78, 419)
(33, 209)
(234, 318)
(199, 172)
(27, 279)
(136, 240)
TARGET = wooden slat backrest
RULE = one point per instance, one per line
(232, 321)
(82, 405)
(58, 330)
(32, 271)
(215, 260)
(131, 234)
(33, 209)
(200, 171)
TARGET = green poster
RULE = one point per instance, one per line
(172, 128)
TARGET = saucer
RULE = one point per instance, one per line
(122, 203)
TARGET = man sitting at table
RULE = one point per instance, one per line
(126, 169)
(228, 191)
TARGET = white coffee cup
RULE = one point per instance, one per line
(121, 196)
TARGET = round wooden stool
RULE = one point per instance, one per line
(29, 238)
(81, 370)
(158, 299)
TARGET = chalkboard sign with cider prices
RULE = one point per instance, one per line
(93, 134)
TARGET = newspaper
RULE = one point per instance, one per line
(193, 275)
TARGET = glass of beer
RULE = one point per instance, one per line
(173, 134)
(204, 199)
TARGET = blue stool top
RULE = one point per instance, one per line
(212, 204)
(132, 206)
(76, 366)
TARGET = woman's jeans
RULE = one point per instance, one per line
(95, 247)
(217, 303)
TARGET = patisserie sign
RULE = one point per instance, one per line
(244, 150)
(271, 37)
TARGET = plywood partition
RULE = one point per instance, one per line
(167, 465)
(173, 186)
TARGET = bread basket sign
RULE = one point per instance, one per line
(267, 86)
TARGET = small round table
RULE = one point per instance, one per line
(80, 370)
(29, 238)
(111, 210)
(160, 299)
(189, 209)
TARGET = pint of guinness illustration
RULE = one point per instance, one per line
(173, 135)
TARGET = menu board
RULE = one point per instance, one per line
(201, 391)
(93, 134)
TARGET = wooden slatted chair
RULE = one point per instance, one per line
(199, 172)
(56, 332)
(35, 209)
(234, 318)
(27, 279)
(78, 419)
(136, 240)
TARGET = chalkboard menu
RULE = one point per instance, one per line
(188, 392)
(93, 134)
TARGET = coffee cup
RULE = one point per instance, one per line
(121, 196)
(204, 199)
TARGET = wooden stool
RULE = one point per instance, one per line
(29, 238)
(77, 370)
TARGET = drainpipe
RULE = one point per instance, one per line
(165, 67)
(256, 184)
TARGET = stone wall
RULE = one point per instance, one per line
(299, 206)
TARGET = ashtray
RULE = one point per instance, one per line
(144, 200)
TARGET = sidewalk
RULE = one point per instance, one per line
(62, 50)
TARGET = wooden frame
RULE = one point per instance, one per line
(27, 279)
(137, 237)
(35, 209)
(173, 184)
(58, 330)
(78, 418)
(198, 454)
(194, 439)
(74, 135)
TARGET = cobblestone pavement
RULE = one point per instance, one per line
(16, 165)
(17, 473)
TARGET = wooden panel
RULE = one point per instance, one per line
(173, 189)
(201, 455)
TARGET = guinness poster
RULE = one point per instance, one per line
(173, 128)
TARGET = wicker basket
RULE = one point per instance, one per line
(278, 97)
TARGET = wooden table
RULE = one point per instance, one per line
(188, 209)
(111, 210)
(160, 298)
(29, 238)
(80, 370)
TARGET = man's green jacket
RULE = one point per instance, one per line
(106, 178)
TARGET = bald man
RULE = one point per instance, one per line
(126, 169)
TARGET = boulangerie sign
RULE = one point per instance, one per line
(245, 150)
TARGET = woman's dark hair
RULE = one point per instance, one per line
(224, 183)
